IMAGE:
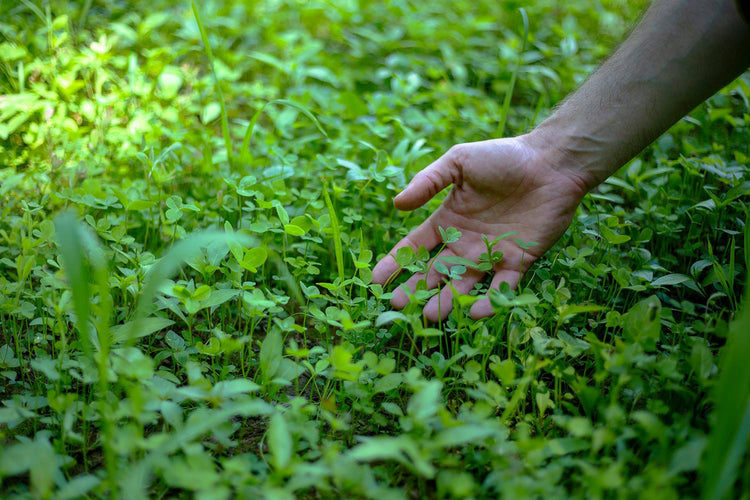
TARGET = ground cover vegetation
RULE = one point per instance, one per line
(193, 197)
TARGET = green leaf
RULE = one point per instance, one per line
(405, 256)
(146, 326)
(701, 360)
(47, 366)
(280, 442)
(687, 458)
(569, 310)
(426, 401)
(247, 186)
(612, 237)
(77, 487)
(11, 52)
(458, 260)
(428, 332)
(343, 366)
(505, 371)
(450, 235)
(670, 279)
(303, 222)
(218, 297)
(390, 317)
(210, 112)
(564, 446)
(170, 82)
(230, 388)
(8, 357)
(175, 341)
(388, 382)
(201, 293)
(293, 230)
(642, 323)
(379, 448)
(464, 434)
(37, 457)
(525, 245)
(139, 205)
(440, 267)
(254, 258)
(498, 299)
(270, 355)
(401, 449)
(393, 409)
(169, 264)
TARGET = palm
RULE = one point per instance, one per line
(500, 186)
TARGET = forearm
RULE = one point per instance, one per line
(681, 53)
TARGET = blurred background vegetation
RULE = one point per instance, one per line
(268, 372)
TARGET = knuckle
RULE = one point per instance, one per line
(458, 153)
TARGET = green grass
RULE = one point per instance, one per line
(219, 93)
(194, 197)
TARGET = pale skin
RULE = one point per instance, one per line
(680, 53)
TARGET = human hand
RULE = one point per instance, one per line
(499, 186)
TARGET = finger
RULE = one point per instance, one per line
(440, 306)
(483, 308)
(433, 278)
(430, 181)
(424, 235)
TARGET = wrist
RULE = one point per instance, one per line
(580, 156)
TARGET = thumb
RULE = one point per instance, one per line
(427, 183)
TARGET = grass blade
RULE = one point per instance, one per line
(245, 149)
(509, 94)
(75, 242)
(245, 153)
(302, 109)
(36, 10)
(746, 238)
(729, 435)
(67, 231)
(222, 106)
(336, 233)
